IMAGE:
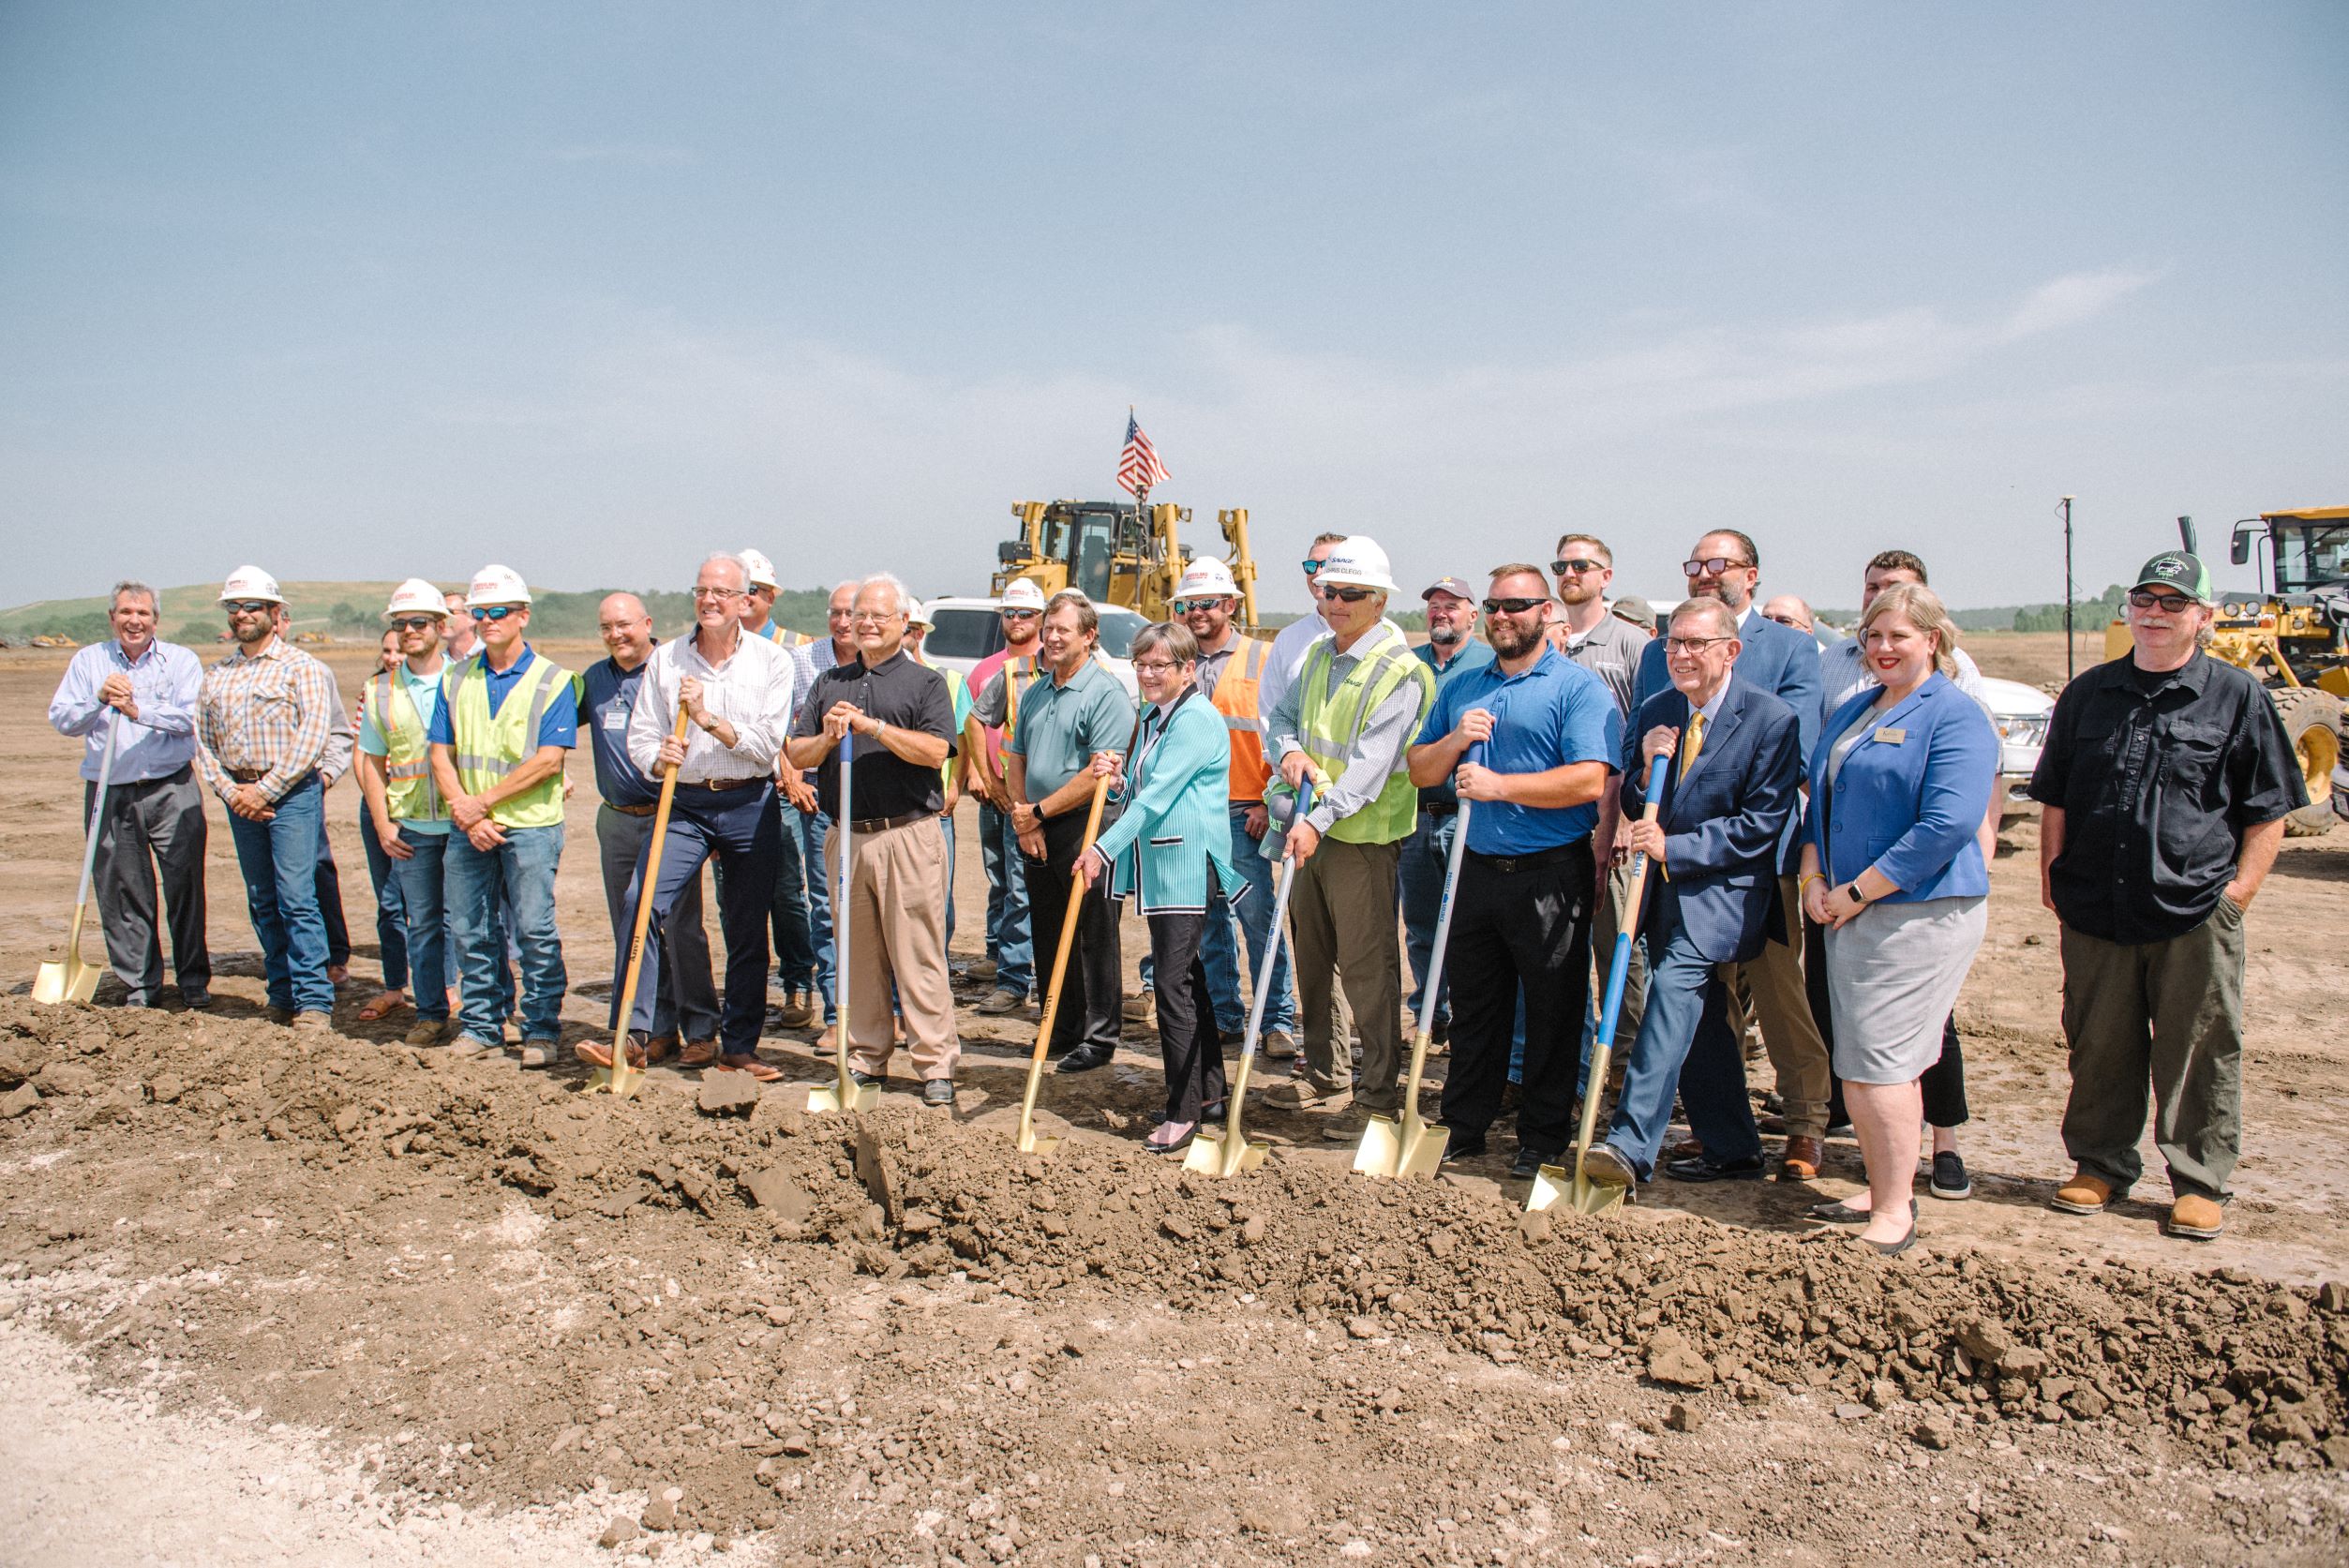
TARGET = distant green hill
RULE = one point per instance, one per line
(352, 610)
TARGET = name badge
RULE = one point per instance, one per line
(1890, 736)
(616, 717)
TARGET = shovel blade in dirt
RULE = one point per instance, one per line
(70, 980)
(1030, 1142)
(619, 1081)
(1405, 1146)
(1212, 1154)
(65, 980)
(1557, 1186)
(843, 1093)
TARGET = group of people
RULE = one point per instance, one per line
(1813, 833)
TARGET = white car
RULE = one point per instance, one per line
(965, 631)
(2021, 713)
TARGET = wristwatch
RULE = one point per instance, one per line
(1857, 896)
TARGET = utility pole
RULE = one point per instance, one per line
(2067, 589)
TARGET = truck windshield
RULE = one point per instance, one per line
(963, 634)
(2309, 556)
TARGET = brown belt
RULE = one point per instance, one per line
(254, 775)
(631, 810)
(883, 823)
(752, 782)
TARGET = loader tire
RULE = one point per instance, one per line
(2311, 721)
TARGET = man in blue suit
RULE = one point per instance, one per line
(1779, 659)
(1729, 793)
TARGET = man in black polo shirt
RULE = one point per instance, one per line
(903, 719)
(2162, 789)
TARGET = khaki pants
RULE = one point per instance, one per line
(1342, 918)
(1798, 1052)
(896, 926)
(2167, 1014)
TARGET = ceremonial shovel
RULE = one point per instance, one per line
(1411, 1148)
(1553, 1182)
(1027, 1142)
(70, 980)
(622, 1081)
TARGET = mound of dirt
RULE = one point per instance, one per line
(662, 1297)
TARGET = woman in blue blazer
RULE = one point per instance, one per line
(1172, 853)
(1892, 867)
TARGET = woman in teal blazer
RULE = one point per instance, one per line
(1171, 850)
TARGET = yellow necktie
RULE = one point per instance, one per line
(1694, 743)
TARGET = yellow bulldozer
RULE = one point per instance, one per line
(1118, 553)
(2293, 634)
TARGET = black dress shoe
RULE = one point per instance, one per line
(865, 1080)
(1464, 1145)
(1529, 1164)
(1703, 1170)
(1085, 1058)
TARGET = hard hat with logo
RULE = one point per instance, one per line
(417, 597)
(918, 614)
(1209, 578)
(1356, 563)
(250, 582)
(757, 569)
(497, 585)
(1022, 595)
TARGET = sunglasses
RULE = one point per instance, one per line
(494, 613)
(1511, 606)
(1561, 568)
(248, 607)
(1310, 566)
(1714, 564)
(2168, 604)
(415, 623)
(1350, 595)
(1184, 607)
(1021, 614)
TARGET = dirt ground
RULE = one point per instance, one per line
(269, 1301)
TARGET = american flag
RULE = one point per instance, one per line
(1138, 466)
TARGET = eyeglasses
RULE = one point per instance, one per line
(2168, 604)
(248, 607)
(1155, 666)
(1577, 568)
(1021, 614)
(496, 612)
(1349, 596)
(1688, 648)
(1788, 621)
(719, 593)
(1184, 607)
(414, 623)
(1310, 566)
(873, 617)
(1714, 565)
(1511, 606)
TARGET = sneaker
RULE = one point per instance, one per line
(1950, 1179)
(938, 1090)
(541, 1053)
(310, 1021)
(1138, 1010)
(1704, 1169)
(2195, 1218)
(1280, 1044)
(1528, 1164)
(2082, 1194)
(1000, 1001)
(426, 1031)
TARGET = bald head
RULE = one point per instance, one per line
(626, 629)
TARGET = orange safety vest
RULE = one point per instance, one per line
(1235, 699)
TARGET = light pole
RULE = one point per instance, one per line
(2067, 589)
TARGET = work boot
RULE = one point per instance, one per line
(542, 1052)
(2082, 1194)
(1139, 1008)
(1303, 1094)
(697, 1054)
(1604, 1165)
(1000, 1001)
(2196, 1218)
(797, 1009)
(1346, 1126)
(280, 1016)
(426, 1031)
(984, 969)
(310, 1021)
(1280, 1044)
(1804, 1157)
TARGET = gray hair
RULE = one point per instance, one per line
(133, 586)
(728, 558)
(890, 580)
(1725, 619)
(1173, 635)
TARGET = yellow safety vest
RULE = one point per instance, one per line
(1329, 722)
(409, 794)
(490, 746)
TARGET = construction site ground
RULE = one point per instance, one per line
(267, 1298)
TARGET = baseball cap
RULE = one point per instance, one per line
(1457, 588)
(2178, 569)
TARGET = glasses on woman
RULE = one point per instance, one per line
(412, 623)
(1155, 666)
(1511, 606)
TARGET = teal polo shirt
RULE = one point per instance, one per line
(1062, 727)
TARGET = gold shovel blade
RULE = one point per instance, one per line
(620, 1083)
(1555, 1185)
(1408, 1146)
(65, 980)
(1210, 1155)
(1027, 1142)
(836, 1096)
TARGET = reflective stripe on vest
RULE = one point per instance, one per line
(1236, 698)
(490, 746)
(409, 794)
(1331, 721)
(1013, 670)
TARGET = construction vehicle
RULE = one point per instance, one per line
(1118, 553)
(2293, 636)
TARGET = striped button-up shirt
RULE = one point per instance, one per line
(165, 680)
(271, 713)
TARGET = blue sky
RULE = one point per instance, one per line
(360, 290)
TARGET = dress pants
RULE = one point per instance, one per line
(1521, 927)
(1094, 986)
(330, 903)
(279, 861)
(1190, 1044)
(896, 922)
(162, 818)
(1798, 1051)
(739, 826)
(686, 1001)
(1009, 940)
(391, 915)
(1685, 1045)
(1342, 919)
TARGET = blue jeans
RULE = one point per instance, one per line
(523, 869)
(391, 927)
(423, 894)
(279, 862)
(1222, 955)
(1685, 1045)
(1007, 941)
(1420, 876)
(812, 827)
(795, 942)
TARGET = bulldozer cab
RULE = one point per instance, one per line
(2308, 551)
(1116, 553)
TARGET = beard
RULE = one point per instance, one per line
(1509, 638)
(1445, 636)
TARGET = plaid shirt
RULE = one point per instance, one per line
(272, 712)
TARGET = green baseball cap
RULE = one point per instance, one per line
(2176, 569)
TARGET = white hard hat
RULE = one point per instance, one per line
(1358, 562)
(1207, 579)
(417, 597)
(757, 569)
(250, 582)
(918, 614)
(500, 585)
(1022, 595)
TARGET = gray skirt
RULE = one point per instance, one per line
(1893, 976)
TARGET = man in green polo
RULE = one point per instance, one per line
(1352, 714)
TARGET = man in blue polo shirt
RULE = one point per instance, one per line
(1545, 735)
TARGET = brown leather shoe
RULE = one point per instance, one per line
(1804, 1157)
(1687, 1148)
(2082, 1194)
(2196, 1218)
(697, 1054)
